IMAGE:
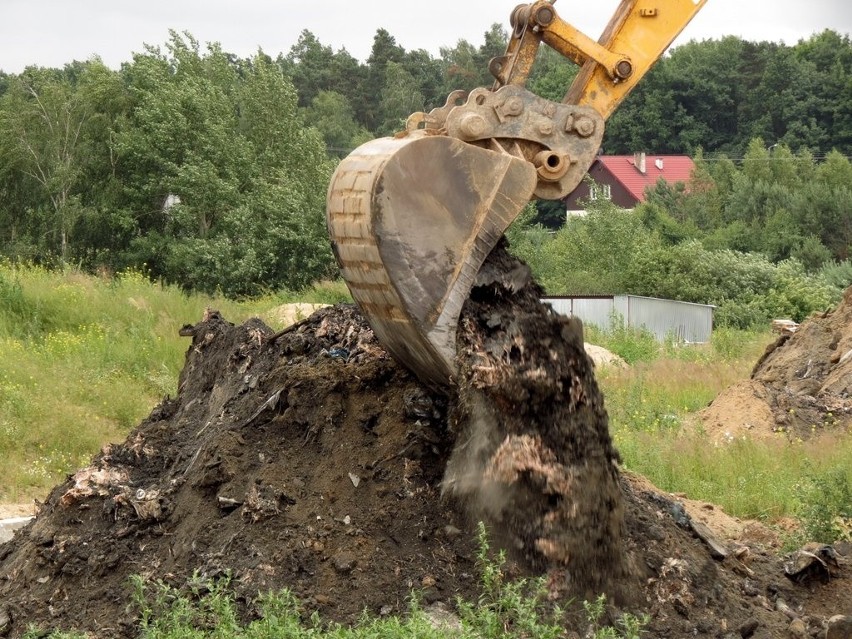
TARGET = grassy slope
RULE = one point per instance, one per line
(83, 360)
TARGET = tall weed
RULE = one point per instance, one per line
(825, 504)
(755, 480)
(630, 343)
(653, 410)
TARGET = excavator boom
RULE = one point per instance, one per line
(412, 218)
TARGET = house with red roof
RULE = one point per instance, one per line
(624, 178)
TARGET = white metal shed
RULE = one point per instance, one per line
(681, 321)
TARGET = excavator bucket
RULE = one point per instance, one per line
(411, 221)
(412, 218)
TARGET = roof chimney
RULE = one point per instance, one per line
(659, 163)
(639, 162)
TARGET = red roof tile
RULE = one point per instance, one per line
(675, 168)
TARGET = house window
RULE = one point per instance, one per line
(600, 192)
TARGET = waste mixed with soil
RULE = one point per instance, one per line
(801, 387)
(309, 459)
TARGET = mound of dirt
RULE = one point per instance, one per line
(800, 387)
(309, 459)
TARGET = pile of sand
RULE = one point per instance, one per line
(288, 314)
(800, 387)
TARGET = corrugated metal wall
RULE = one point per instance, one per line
(592, 310)
(682, 321)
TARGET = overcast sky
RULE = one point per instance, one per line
(54, 32)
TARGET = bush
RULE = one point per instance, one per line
(838, 274)
(610, 251)
(825, 506)
(629, 343)
(730, 343)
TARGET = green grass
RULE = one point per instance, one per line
(84, 359)
(747, 479)
(652, 407)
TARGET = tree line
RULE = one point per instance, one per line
(209, 170)
(763, 238)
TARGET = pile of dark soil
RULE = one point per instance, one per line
(311, 460)
(801, 387)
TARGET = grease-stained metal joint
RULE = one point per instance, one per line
(624, 69)
(545, 16)
(524, 125)
(514, 106)
(519, 18)
(551, 166)
(472, 126)
(496, 65)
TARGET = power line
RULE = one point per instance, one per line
(771, 159)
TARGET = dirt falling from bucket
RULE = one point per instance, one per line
(534, 457)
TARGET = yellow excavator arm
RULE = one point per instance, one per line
(413, 217)
(637, 35)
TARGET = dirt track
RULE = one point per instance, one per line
(313, 461)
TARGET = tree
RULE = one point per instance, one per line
(718, 94)
(314, 67)
(550, 214)
(828, 60)
(400, 98)
(105, 227)
(384, 50)
(462, 68)
(332, 115)
(494, 43)
(309, 65)
(824, 205)
(249, 177)
(466, 65)
(41, 122)
(590, 255)
(427, 73)
(289, 182)
(178, 139)
(552, 75)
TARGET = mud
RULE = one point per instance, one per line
(310, 460)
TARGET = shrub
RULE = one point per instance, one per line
(825, 505)
(610, 252)
(630, 343)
